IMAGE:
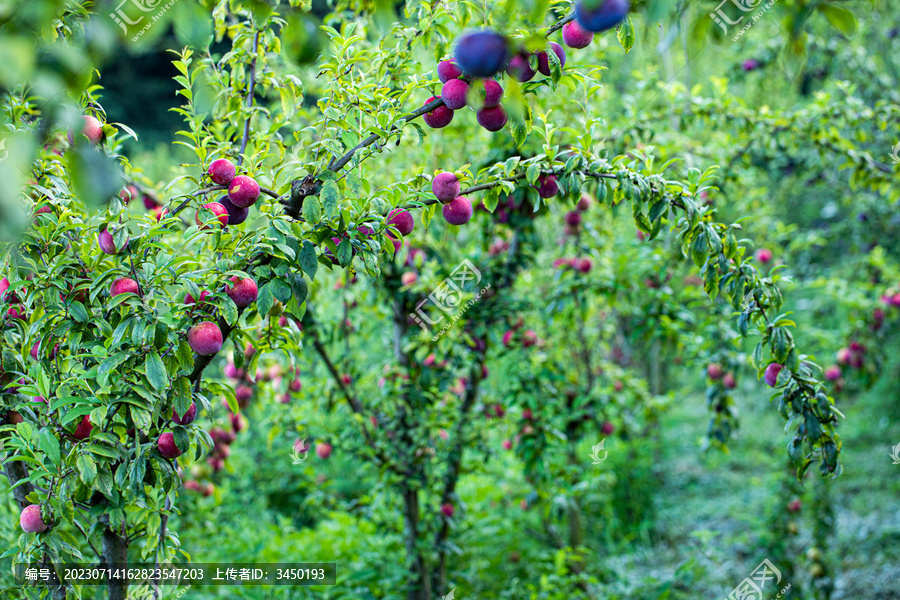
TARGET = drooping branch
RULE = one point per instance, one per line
(250, 91)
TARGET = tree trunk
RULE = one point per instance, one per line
(115, 556)
(419, 584)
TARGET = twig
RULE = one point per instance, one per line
(250, 92)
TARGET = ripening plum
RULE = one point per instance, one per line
(91, 128)
(188, 417)
(492, 119)
(445, 186)
(454, 93)
(408, 278)
(242, 291)
(167, 446)
(447, 509)
(519, 68)
(764, 256)
(601, 15)
(31, 520)
(107, 243)
(771, 375)
(439, 117)
(402, 220)
(714, 371)
(481, 53)
(583, 265)
(205, 338)
(323, 450)
(489, 93)
(547, 187)
(236, 214)
(448, 69)
(544, 60)
(573, 218)
(83, 431)
(576, 36)
(221, 171)
(458, 211)
(216, 209)
(584, 203)
(243, 191)
(124, 285)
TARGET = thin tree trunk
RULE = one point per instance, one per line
(115, 556)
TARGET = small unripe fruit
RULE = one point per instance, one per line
(205, 338)
(90, 128)
(597, 17)
(107, 243)
(447, 509)
(715, 371)
(771, 375)
(544, 60)
(323, 450)
(576, 36)
(30, 519)
(188, 417)
(167, 447)
(402, 220)
(83, 431)
(242, 291)
(492, 119)
(221, 171)
(458, 211)
(445, 186)
(447, 70)
(481, 53)
(236, 214)
(547, 187)
(123, 285)
(243, 191)
(439, 117)
(216, 209)
(519, 68)
(454, 94)
(489, 93)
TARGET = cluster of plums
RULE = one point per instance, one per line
(468, 77)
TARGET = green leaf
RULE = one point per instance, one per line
(182, 391)
(50, 445)
(309, 261)
(265, 299)
(78, 311)
(625, 33)
(156, 371)
(330, 196)
(312, 210)
(344, 253)
(87, 468)
(840, 17)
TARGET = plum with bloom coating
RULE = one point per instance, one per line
(402, 220)
(445, 186)
(458, 211)
(448, 69)
(167, 446)
(492, 119)
(481, 53)
(31, 520)
(243, 191)
(205, 338)
(576, 36)
(439, 117)
(544, 60)
(454, 94)
(221, 171)
(242, 291)
(771, 376)
(601, 15)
